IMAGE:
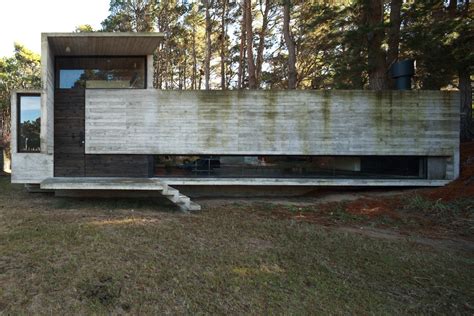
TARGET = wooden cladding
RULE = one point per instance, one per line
(69, 156)
(70, 159)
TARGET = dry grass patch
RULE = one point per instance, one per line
(70, 256)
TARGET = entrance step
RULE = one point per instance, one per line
(183, 201)
(123, 184)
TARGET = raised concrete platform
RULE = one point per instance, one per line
(306, 182)
(85, 183)
(121, 184)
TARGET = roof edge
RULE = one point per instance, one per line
(104, 34)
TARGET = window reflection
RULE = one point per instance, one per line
(290, 166)
(100, 72)
(29, 123)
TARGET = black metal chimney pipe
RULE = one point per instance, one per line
(402, 71)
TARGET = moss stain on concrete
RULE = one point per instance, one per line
(270, 111)
(326, 109)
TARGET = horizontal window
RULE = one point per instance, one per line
(393, 167)
(29, 122)
(100, 72)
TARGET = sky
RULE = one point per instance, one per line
(23, 21)
(30, 108)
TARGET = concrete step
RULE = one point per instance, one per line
(105, 183)
(194, 206)
(181, 200)
(129, 184)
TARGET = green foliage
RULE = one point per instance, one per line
(20, 71)
(440, 42)
(131, 16)
(331, 40)
(84, 28)
(30, 135)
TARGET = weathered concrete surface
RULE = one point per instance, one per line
(150, 70)
(102, 183)
(272, 122)
(329, 182)
(31, 167)
(47, 97)
(28, 167)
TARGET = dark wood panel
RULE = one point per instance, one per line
(117, 166)
(68, 149)
(69, 156)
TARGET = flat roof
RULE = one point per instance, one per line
(103, 43)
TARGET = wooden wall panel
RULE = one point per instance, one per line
(117, 165)
(69, 156)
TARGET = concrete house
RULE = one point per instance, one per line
(97, 123)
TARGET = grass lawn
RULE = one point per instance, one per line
(65, 255)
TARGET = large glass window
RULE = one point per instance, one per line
(100, 72)
(29, 122)
(387, 167)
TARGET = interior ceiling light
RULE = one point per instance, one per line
(68, 49)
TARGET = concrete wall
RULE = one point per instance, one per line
(150, 72)
(47, 100)
(28, 167)
(35, 167)
(272, 122)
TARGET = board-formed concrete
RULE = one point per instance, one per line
(28, 167)
(421, 123)
(424, 123)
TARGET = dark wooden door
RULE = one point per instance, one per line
(69, 133)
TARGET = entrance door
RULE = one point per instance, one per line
(69, 133)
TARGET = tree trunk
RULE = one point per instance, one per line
(194, 75)
(207, 63)
(290, 44)
(240, 75)
(223, 41)
(465, 89)
(261, 44)
(249, 31)
(200, 79)
(452, 8)
(394, 31)
(376, 57)
(393, 36)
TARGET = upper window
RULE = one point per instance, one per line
(29, 122)
(100, 72)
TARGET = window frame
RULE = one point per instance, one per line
(18, 121)
(145, 77)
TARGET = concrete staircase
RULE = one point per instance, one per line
(183, 201)
(65, 184)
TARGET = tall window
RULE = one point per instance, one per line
(100, 72)
(29, 122)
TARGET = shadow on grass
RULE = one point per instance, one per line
(138, 204)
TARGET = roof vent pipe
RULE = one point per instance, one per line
(402, 71)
